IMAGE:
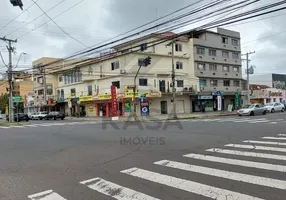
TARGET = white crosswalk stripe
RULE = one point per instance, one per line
(114, 190)
(186, 185)
(257, 180)
(265, 142)
(243, 163)
(46, 195)
(254, 147)
(275, 138)
(246, 153)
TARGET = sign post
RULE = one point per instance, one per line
(114, 102)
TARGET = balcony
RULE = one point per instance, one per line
(187, 89)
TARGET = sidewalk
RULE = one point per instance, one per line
(159, 117)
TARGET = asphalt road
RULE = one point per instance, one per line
(58, 160)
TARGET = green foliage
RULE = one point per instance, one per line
(4, 100)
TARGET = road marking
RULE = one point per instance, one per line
(244, 163)
(258, 121)
(274, 138)
(249, 154)
(186, 185)
(254, 147)
(257, 180)
(46, 195)
(17, 127)
(273, 122)
(240, 121)
(281, 134)
(5, 127)
(30, 125)
(265, 142)
(114, 190)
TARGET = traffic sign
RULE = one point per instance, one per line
(17, 99)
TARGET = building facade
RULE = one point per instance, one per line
(207, 68)
(277, 81)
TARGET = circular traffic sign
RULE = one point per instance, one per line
(144, 109)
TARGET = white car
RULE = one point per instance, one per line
(39, 115)
(275, 107)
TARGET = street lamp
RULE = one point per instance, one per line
(23, 53)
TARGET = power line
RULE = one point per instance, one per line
(17, 16)
(53, 18)
(3, 59)
(58, 25)
(34, 18)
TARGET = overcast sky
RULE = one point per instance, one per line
(92, 21)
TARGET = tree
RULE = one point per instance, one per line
(4, 101)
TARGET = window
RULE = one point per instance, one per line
(79, 76)
(90, 70)
(73, 92)
(89, 90)
(115, 65)
(179, 65)
(226, 83)
(178, 47)
(40, 80)
(235, 56)
(225, 54)
(224, 40)
(274, 100)
(234, 42)
(201, 66)
(40, 92)
(69, 79)
(72, 77)
(62, 94)
(66, 79)
(212, 52)
(225, 68)
(116, 83)
(60, 78)
(143, 82)
(203, 83)
(213, 67)
(35, 79)
(236, 69)
(49, 89)
(213, 82)
(140, 60)
(180, 83)
(143, 46)
(200, 51)
(236, 83)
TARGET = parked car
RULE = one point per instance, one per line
(19, 117)
(275, 107)
(252, 109)
(39, 115)
(55, 115)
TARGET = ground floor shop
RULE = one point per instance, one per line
(213, 102)
(269, 95)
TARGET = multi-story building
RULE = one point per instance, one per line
(84, 87)
(217, 64)
(277, 81)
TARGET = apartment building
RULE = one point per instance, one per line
(217, 64)
(83, 88)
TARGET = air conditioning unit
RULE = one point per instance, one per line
(102, 76)
(191, 89)
(185, 89)
(169, 53)
(122, 71)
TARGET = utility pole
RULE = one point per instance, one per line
(173, 83)
(247, 74)
(10, 77)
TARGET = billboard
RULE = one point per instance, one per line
(279, 81)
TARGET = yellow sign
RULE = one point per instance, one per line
(85, 98)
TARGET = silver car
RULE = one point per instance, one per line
(252, 109)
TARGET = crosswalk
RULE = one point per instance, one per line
(49, 124)
(264, 149)
(236, 120)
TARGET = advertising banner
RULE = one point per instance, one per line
(144, 108)
(219, 103)
(114, 102)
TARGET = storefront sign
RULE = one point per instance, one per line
(275, 94)
(144, 108)
(85, 98)
(237, 99)
(114, 101)
(219, 103)
(205, 97)
(127, 106)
